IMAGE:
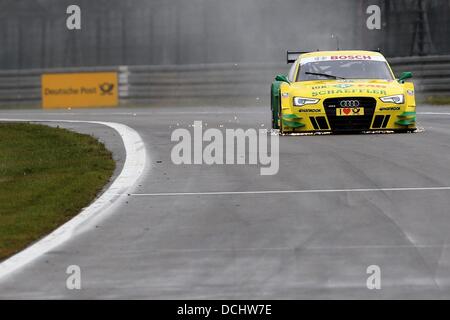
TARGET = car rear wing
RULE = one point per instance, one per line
(292, 56)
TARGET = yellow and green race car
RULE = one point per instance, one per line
(340, 91)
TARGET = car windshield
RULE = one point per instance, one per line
(322, 70)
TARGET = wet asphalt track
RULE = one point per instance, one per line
(295, 245)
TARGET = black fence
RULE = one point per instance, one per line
(33, 33)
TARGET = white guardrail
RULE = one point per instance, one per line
(209, 84)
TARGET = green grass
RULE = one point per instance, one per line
(47, 175)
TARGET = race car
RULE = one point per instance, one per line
(341, 91)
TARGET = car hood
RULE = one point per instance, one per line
(346, 88)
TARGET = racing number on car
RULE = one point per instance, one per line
(349, 111)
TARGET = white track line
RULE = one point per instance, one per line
(138, 113)
(133, 168)
(221, 193)
(435, 113)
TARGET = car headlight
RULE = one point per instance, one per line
(299, 101)
(397, 99)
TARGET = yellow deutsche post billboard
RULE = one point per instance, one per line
(79, 90)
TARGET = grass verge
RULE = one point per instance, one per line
(47, 175)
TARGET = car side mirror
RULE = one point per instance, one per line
(282, 78)
(404, 76)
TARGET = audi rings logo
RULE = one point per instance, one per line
(349, 103)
